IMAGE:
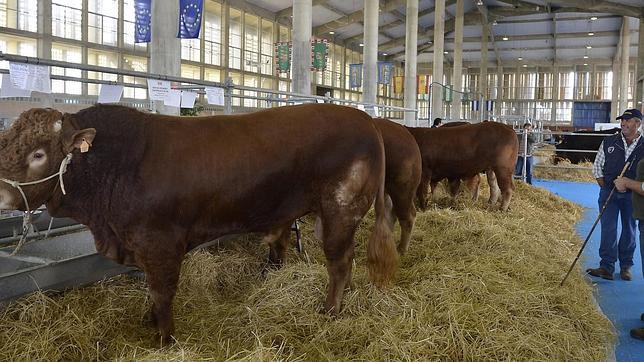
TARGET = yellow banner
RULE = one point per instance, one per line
(423, 86)
(399, 82)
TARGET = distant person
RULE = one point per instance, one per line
(613, 154)
(525, 154)
(437, 122)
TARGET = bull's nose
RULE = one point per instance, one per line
(6, 200)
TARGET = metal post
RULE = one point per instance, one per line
(228, 96)
(525, 155)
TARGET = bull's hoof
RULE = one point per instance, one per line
(149, 319)
(162, 341)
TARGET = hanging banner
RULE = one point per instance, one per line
(355, 75)
(190, 18)
(447, 93)
(399, 84)
(319, 54)
(143, 12)
(384, 72)
(422, 82)
(489, 105)
(283, 57)
(475, 105)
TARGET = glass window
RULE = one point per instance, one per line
(16, 45)
(128, 26)
(66, 19)
(250, 81)
(101, 59)
(102, 21)
(190, 71)
(212, 75)
(4, 13)
(191, 49)
(19, 14)
(267, 47)
(251, 44)
(137, 64)
(234, 39)
(66, 53)
(237, 79)
(212, 33)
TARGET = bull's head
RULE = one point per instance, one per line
(32, 149)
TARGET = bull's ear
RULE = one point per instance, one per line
(79, 139)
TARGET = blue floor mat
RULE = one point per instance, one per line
(622, 302)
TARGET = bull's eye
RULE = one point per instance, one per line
(38, 155)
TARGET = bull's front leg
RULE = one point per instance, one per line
(421, 193)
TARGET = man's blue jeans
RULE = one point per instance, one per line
(610, 249)
(518, 170)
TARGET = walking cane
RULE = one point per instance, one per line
(595, 224)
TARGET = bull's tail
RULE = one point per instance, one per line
(382, 256)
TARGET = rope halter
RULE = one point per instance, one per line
(26, 221)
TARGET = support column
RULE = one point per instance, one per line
(44, 28)
(437, 71)
(411, 49)
(302, 20)
(485, 35)
(555, 95)
(370, 54)
(165, 47)
(623, 83)
(639, 78)
(499, 90)
(458, 62)
(614, 102)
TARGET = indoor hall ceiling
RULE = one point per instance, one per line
(537, 31)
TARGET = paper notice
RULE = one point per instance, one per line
(30, 77)
(158, 89)
(110, 93)
(215, 95)
(7, 89)
(173, 99)
(188, 99)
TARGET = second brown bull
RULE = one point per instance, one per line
(463, 152)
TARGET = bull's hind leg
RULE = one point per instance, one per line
(421, 193)
(504, 177)
(473, 184)
(495, 192)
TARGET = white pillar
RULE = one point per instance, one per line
(437, 70)
(639, 92)
(623, 84)
(458, 62)
(411, 48)
(499, 90)
(165, 47)
(483, 70)
(302, 20)
(614, 103)
(555, 95)
(370, 53)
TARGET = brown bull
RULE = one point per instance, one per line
(465, 151)
(472, 183)
(152, 187)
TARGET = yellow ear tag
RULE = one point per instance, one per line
(84, 147)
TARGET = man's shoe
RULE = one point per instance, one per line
(625, 274)
(638, 333)
(600, 272)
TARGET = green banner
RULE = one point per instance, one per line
(447, 93)
(319, 52)
(283, 57)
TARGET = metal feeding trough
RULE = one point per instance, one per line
(57, 263)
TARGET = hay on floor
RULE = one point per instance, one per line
(475, 285)
(564, 170)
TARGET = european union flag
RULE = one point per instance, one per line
(190, 18)
(143, 11)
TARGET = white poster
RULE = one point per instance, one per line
(7, 89)
(215, 95)
(173, 99)
(158, 89)
(30, 76)
(188, 99)
(110, 93)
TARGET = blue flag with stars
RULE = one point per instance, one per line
(143, 11)
(190, 18)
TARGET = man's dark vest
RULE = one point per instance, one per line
(614, 152)
(638, 200)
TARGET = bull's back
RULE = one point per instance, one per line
(260, 168)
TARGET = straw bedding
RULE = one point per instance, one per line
(564, 170)
(475, 285)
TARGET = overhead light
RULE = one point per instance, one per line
(361, 44)
(495, 22)
(505, 38)
(585, 56)
(445, 52)
(591, 34)
(588, 47)
(384, 53)
(332, 32)
(479, 2)
(593, 18)
(525, 65)
(520, 58)
(585, 63)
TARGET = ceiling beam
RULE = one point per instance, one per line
(486, 24)
(603, 6)
(354, 17)
(286, 13)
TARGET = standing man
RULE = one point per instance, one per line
(525, 153)
(612, 155)
(637, 187)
